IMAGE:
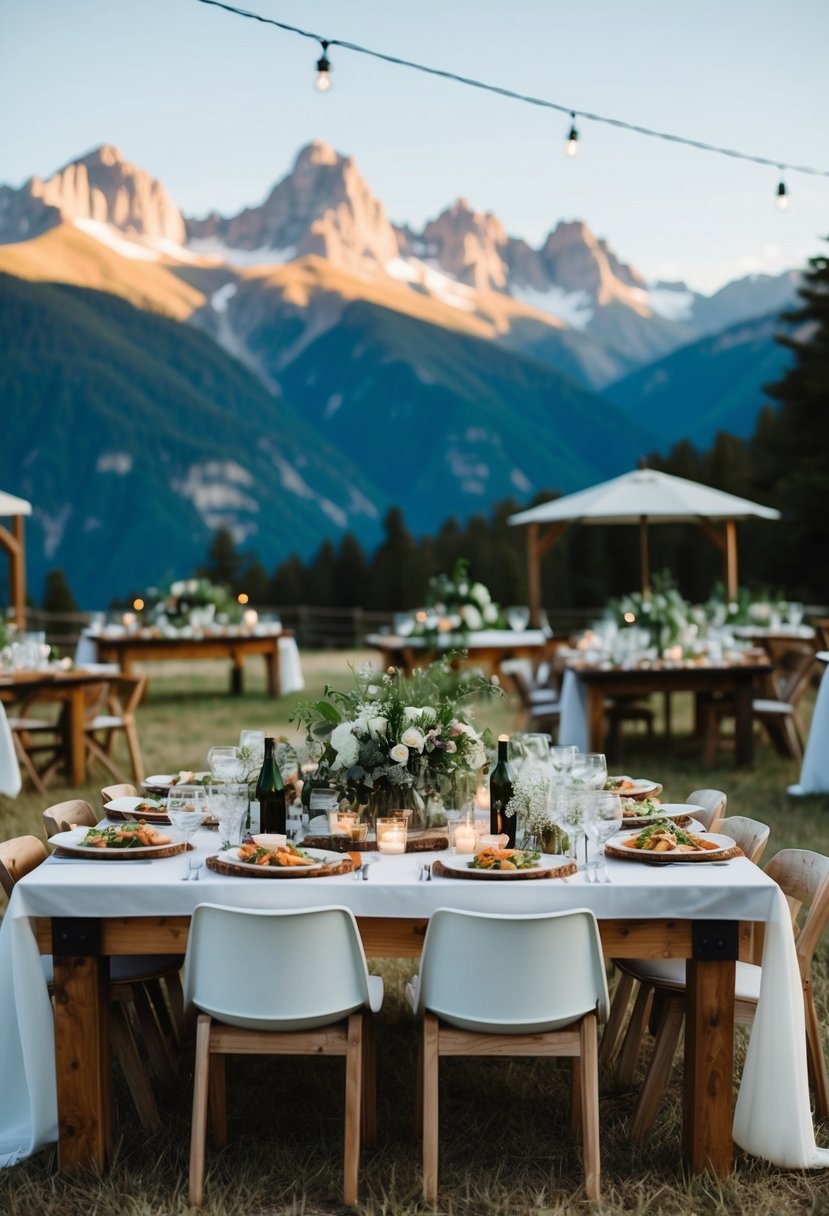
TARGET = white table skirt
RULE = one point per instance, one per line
(773, 1122)
(814, 772)
(572, 725)
(9, 767)
(290, 668)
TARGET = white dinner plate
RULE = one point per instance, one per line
(460, 863)
(72, 842)
(322, 858)
(127, 808)
(617, 849)
(166, 781)
(641, 787)
(668, 810)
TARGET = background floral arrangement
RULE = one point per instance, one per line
(177, 604)
(455, 603)
(392, 733)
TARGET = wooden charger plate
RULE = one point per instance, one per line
(728, 849)
(147, 853)
(220, 866)
(429, 842)
(439, 870)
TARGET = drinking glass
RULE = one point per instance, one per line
(794, 613)
(603, 819)
(187, 810)
(229, 805)
(518, 618)
(589, 770)
(562, 758)
(223, 762)
(571, 815)
(254, 740)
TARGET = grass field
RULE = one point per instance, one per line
(505, 1148)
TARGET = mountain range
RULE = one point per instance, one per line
(440, 369)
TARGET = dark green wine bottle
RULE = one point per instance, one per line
(500, 793)
(270, 793)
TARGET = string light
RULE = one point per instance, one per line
(782, 196)
(323, 82)
(571, 148)
(470, 82)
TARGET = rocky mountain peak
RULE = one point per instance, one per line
(577, 260)
(469, 245)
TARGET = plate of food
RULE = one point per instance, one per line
(153, 810)
(641, 813)
(163, 782)
(281, 861)
(663, 843)
(501, 863)
(124, 842)
(633, 787)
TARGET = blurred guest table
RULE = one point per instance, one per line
(85, 910)
(487, 648)
(814, 773)
(588, 685)
(126, 647)
(71, 690)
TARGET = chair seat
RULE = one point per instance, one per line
(31, 724)
(761, 706)
(670, 973)
(105, 722)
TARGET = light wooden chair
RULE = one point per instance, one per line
(803, 876)
(315, 1011)
(30, 737)
(132, 1009)
(538, 703)
(713, 804)
(110, 792)
(124, 695)
(532, 1005)
(65, 815)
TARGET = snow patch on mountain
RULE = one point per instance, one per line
(211, 247)
(220, 299)
(572, 307)
(673, 305)
(113, 239)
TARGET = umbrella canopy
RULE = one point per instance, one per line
(12, 542)
(641, 497)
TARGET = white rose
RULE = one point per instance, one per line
(378, 726)
(490, 614)
(428, 714)
(411, 712)
(472, 617)
(399, 753)
(345, 745)
(413, 738)
(480, 594)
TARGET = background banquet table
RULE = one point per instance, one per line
(278, 648)
(487, 647)
(143, 907)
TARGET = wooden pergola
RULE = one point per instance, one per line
(642, 497)
(12, 540)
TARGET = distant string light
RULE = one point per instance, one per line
(571, 148)
(618, 123)
(782, 195)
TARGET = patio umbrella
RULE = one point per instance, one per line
(641, 497)
(12, 542)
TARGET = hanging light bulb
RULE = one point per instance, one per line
(323, 82)
(782, 196)
(572, 146)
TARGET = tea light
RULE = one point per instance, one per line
(250, 618)
(482, 798)
(340, 823)
(391, 836)
(465, 838)
(673, 653)
(129, 620)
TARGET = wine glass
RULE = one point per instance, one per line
(570, 814)
(518, 618)
(223, 762)
(589, 770)
(562, 758)
(187, 810)
(794, 613)
(603, 819)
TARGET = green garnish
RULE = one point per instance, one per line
(662, 825)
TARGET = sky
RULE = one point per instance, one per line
(217, 107)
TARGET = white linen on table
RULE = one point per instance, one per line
(572, 725)
(98, 888)
(814, 772)
(9, 768)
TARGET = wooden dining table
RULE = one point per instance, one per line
(127, 649)
(84, 913)
(71, 690)
(487, 648)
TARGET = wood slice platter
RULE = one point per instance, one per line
(652, 858)
(145, 853)
(431, 841)
(220, 866)
(439, 870)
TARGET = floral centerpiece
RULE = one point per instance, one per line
(392, 739)
(457, 604)
(661, 610)
(532, 791)
(177, 605)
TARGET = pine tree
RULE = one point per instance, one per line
(57, 596)
(224, 563)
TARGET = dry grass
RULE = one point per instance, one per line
(505, 1145)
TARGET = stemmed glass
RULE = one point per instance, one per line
(518, 618)
(562, 759)
(223, 762)
(589, 770)
(603, 819)
(187, 810)
(569, 811)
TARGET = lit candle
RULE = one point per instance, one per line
(465, 838)
(393, 840)
(482, 798)
(128, 620)
(250, 617)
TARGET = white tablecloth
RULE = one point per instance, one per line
(572, 725)
(9, 768)
(290, 668)
(774, 1121)
(814, 772)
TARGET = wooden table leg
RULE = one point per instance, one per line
(596, 724)
(81, 1048)
(743, 722)
(237, 674)
(272, 670)
(709, 1066)
(75, 737)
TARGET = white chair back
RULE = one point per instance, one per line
(269, 970)
(512, 974)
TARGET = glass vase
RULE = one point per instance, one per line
(385, 799)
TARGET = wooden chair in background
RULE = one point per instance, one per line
(65, 815)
